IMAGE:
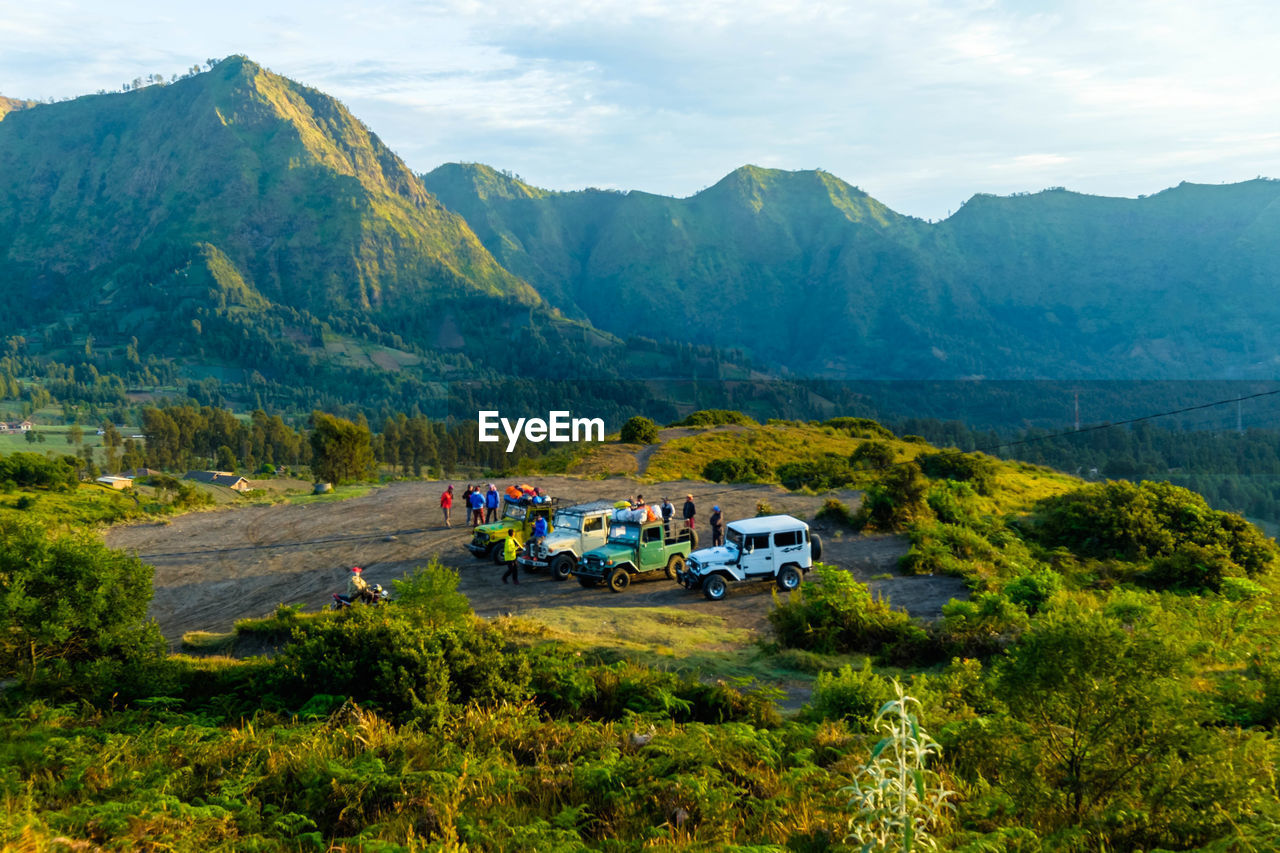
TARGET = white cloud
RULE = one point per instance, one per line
(920, 102)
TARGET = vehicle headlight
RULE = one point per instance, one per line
(608, 562)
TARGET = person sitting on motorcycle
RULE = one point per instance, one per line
(357, 588)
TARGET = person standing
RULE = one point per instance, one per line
(509, 553)
(668, 513)
(446, 505)
(717, 527)
(477, 507)
(689, 511)
(491, 504)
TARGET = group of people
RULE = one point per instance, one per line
(635, 509)
(482, 506)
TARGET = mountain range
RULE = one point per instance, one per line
(242, 223)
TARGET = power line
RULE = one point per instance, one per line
(1127, 422)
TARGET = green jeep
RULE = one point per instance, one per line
(634, 549)
(516, 523)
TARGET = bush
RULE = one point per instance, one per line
(1143, 521)
(1189, 569)
(878, 455)
(834, 613)
(379, 656)
(1034, 589)
(982, 626)
(835, 513)
(73, 612)
(429, 595)
(639, 430)
(977, 469)
(32, 470)
(895, 501)
(829, 472)
(859, 427)
(738, 469)
(714, 417)
(850, 694)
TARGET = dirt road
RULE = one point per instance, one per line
(215, 567)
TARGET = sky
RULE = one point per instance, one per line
(920, 103)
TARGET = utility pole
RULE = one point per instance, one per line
(1077, 394)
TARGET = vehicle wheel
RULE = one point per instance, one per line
(692, 536)
(675, 564)
(586, 582)
(788, 578)
(714, 588)
(495, 553)
(561, 566)
(619, 579)
(815, 546)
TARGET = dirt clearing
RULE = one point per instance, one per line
(213, 568)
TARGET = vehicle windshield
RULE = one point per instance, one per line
(515, 512)
(567, 521)
(734, 538)
(626, 533)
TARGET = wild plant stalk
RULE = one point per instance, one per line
(897, 800)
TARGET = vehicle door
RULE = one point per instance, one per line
(652, 549)
(757, 556)
(593, 532)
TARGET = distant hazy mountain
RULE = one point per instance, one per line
(811, 274)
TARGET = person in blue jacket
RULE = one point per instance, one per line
(491, 504)
(476, 500)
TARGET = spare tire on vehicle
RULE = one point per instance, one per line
(815, 546)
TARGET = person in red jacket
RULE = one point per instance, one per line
(446, 505)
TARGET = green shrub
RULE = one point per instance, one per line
(1033, 589)
(34, 471)
(977, 469)
(850, 694)
(639, 430)
(73, 612)
(834, 613)
(835, 513)
(877, 455)
(982, 626)
(859, 427)
(829, 472)
(738, 469)
(714, 417)
(376, 655)
(948, 500)
(429, 595)
(1143, 521)
(1190, 568)
(897, 500)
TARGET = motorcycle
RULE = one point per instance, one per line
(373, 595)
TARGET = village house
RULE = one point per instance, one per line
(220, 478)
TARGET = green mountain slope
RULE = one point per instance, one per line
(802, 270)
(312, 208)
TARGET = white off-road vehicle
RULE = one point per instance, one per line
(574, 531)
(775, 548)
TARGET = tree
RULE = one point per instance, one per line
(873, 454)
(639, 430)
(75, 435)
(1102, 706)
(69, 602)
(341, 449)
